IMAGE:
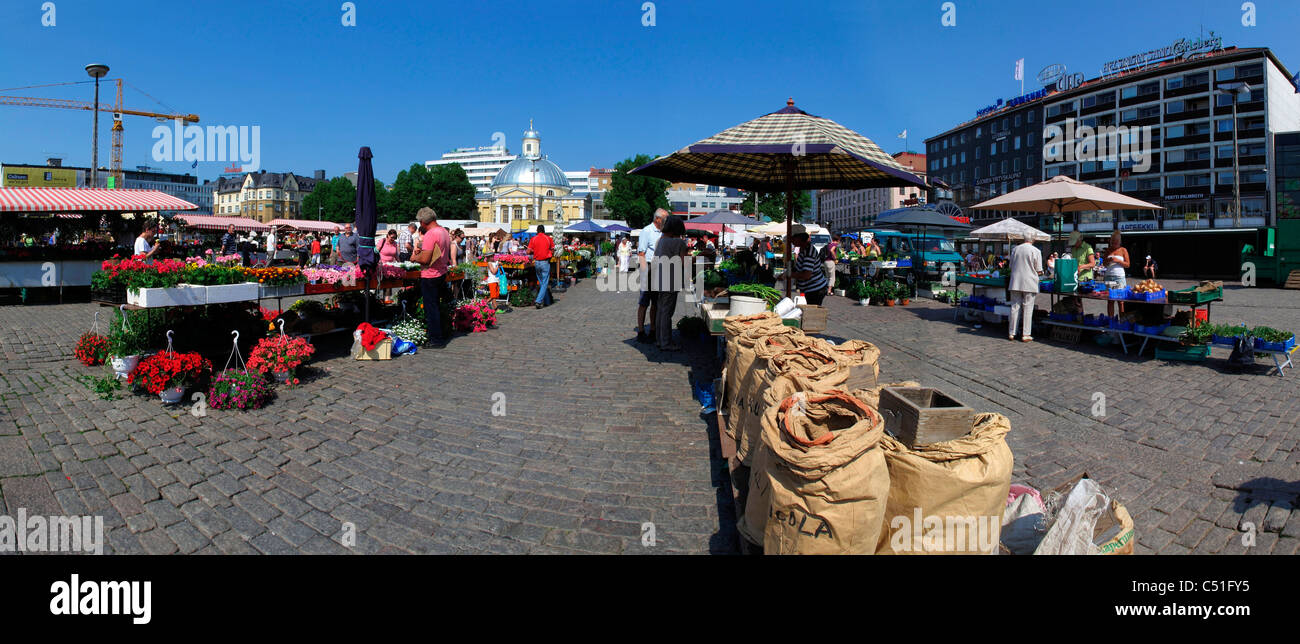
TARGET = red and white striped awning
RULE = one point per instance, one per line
(29, 199)
(307, 224)
(211, 222)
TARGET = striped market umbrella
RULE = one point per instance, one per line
(788, 150)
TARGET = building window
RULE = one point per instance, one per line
(1223, 125)
(1029, 161)
(993, 148)
(1017, 120)
(979, 131)
(1031, 116)
(977, 153)
(1017, 143)
(1016, 166)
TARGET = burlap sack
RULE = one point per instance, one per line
(735, 325)
(819, 482)
(777, 374)
(948, 498)
(744, 372)
(863, 359)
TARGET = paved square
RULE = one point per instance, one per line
(600, 436)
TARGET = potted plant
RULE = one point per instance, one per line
(124, 349)
(1270, 339)
(235, 389)
(862, 292)
(888, 292)
(906, 293)
(92, 349)
(168, 374)
(280, 355)
(474, 317)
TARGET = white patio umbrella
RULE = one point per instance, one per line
(1008, 228)
(1062, 194)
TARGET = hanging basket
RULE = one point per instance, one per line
(172, 395)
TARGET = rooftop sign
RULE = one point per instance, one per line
(1181, 47)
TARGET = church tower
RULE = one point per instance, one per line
(532, 143)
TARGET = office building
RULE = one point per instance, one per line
(850, 210)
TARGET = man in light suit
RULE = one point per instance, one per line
(1026, 265)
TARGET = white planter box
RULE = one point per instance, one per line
(232, 293)
(184, 295)
(280, 291)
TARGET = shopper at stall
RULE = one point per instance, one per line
(1022, 288)
(542, 248)
(668, 275)
(348, 243)
(315, 249)
(229, 240)
(1150, 269)
(1084, 255)
(334, 245)
(624, 254)
(404, 239)
(809, 272)
(645, 251)
(828, 260)
(432, 257)
(388, 246)
(144, 242)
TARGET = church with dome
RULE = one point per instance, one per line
(530, 190)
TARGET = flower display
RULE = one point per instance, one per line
(234, 389)
(388, 270)
(211, 275)
(168, 369)
(227, 260)
(474, 317)
(92, 349)
(411, 330)
(280, 353)
(136, 274)
(509, 259)
(333, 274)
(370, 336)
(272, 276)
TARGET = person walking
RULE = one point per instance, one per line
(624, 255)
(668, 271)
(809, 272)
(828, 257)
(315, 249)
(1022, 288)
(645, 252)
(542, 248)
(334, 245)
(435, 251)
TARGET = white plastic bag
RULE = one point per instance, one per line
(1072, 530)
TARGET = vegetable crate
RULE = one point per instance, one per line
(922, 415)
(813, 318)
(1184, 354)
(382, 351)
(1192, 296)
(1284, 347)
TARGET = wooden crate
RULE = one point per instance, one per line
(923, 415)
(382, 351)
(813, 318)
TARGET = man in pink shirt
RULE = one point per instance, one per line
(433, 256)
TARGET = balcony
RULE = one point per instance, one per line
(1187, 115)
(1187, 165)
(1189, 90)
(1139, 99)
(1187, 140)
(1098, 108)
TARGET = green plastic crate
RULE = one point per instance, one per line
(1192, 296)
(1184, 354)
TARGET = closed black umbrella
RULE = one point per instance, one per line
(367, 214)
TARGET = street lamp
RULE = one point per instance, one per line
(1236, 90)
(96, 71)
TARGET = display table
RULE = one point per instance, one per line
(32, 274)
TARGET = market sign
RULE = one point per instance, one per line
(1137, 225)
(1181, 47)
(1012, 102)
(46, 177)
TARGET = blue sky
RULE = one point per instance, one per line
(414, 79)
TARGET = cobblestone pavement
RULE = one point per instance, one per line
(601, 435)
(1192, 450)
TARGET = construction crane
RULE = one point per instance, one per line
(116, 109)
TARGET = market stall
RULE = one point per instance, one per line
(36, 252)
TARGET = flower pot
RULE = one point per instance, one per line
(889, 302)
(172, 395)
(122, 365)
(746, 305)
(283, 376)
(840, 292)
(906, 301)
(864, 301)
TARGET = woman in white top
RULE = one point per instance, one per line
(144, 244)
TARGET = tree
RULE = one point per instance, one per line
(445, 188)
(634, 198)
(333, 200)
(772, 204)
